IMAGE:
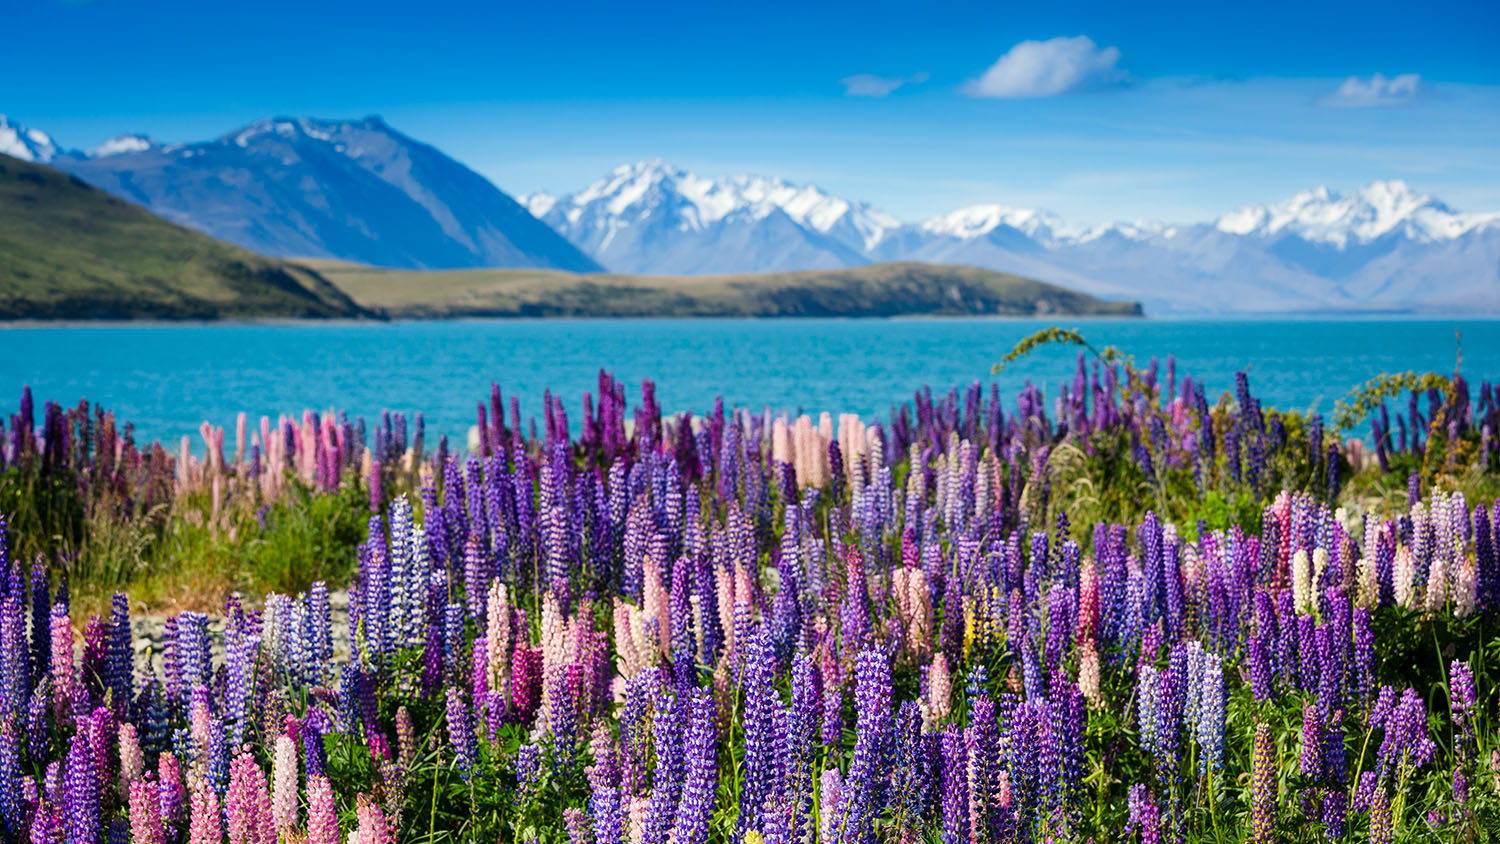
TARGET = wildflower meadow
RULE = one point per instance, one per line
(1136, 607)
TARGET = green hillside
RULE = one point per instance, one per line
(900, 289)
(69, 251)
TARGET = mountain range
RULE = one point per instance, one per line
(1382, 248)
(293, 187)
(361, 191)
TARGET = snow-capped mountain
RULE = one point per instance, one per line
(353, 190)
(1370, 213)
(121, 144)
(26, 144)
(1382, 247)
(654, 218)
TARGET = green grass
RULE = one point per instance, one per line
(70, 251)
(881, 290)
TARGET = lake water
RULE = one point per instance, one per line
(168, 378)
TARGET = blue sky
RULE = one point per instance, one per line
(1094, 111)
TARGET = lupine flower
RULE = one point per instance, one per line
(701, 784)
(322, 814)
(247, 805)
(145, 813)
(461, 733)
(373, 828)
(83, 793)
(1263, 777)
(528, 769)
(284, 784)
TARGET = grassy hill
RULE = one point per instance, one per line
(898, 289)
(70, 251)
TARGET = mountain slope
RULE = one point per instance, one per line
(70, 251)
(355, 190)
(882, 290)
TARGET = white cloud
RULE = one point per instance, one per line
(870, 85)
(1377, 90)
(1048, 68)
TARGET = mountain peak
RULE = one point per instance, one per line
(122, 144)
(1369, 213)
(26, 144)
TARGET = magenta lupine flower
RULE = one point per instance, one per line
(247, 805)
(322, 812)
(145, 813)
(525, 682)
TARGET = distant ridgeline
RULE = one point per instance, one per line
(71, 251)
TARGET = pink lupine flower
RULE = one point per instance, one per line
(145, 813)
(284, 784)
(406, 738)
(64, 676)
(205, 827)
(1088, 602)
(1088, 670)
(322, 814)
(132, 763)
(373, 828)
(247, 805)
(169, 786)
(939, 690)
(914, 603)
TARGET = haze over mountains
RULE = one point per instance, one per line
(360, 191)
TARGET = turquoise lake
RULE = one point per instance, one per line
(168, 378)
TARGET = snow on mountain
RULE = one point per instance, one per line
(26, 144)
(1382, 247)
(653, 217)
(353, 190)
(121, 144)
(1368, 214)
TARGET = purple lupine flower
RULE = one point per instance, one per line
(760, 731)
(1463, 700)
(1311, 757)
(1144, 815)
(461, 733)
(12, 806)
(872, 700)
(82, 785)
(983, 742)
(119, 659)
(528, 771)
(1263, 798)
(701, 784)
(911, 776)
(1364, 655)
(955, 787)
(668, 728)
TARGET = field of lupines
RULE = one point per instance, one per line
(1116, 614)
